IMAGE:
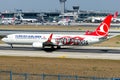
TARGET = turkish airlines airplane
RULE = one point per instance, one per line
(52, 40)
(115, 19)
(8, 20)
(65, 21)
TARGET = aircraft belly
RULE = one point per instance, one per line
(22, 41)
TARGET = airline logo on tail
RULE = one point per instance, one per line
(102, 30)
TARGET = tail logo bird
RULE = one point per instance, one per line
(102, 30)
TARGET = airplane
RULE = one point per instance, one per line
(27, 19)
(115, 19)
(58, 40)
(64, 21)
(8, 20)
(100, 19)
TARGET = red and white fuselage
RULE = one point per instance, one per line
(57, 39)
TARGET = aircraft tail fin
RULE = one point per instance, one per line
(103, 28)
(115, 14)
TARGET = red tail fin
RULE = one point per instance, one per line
(115, 14)
(103, 28)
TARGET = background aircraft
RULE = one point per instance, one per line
(8, 20)
(115, 19)
(31, 20)
(100, 19)
(64, 21)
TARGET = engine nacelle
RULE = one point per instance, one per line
(37, 45)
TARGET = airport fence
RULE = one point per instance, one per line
(9, 75)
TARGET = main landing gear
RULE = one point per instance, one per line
(11, 45)
(50, 45)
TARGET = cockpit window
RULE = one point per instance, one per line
(6, 37)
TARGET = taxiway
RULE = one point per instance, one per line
(65, 52)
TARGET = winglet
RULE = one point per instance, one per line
(50, 37)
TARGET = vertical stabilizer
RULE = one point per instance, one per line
(103, 28)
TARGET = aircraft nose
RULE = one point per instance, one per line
(3, 39)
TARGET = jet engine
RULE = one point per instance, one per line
(37, 45)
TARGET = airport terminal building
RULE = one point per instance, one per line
(50, 16)
(75, 15)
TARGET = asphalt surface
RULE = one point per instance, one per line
(65, 52)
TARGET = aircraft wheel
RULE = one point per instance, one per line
(58, 47)
(11, 45)
(52, 47)
(43, 46)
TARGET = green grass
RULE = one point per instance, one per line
(112, 42)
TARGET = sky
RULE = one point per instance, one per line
(52, 5)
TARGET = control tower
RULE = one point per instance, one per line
(76, 8)
(62, 6)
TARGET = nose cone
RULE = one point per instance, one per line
(4, 39)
